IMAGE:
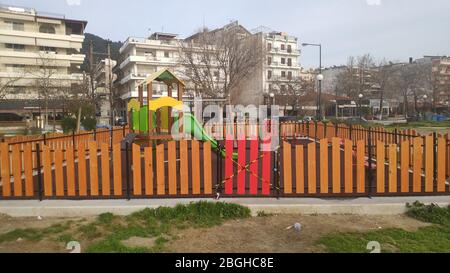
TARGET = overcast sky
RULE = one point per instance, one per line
(391, 29)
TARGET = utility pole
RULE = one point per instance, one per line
(110, 79)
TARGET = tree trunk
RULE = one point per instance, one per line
(78, 120)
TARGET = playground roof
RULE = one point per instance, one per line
(163, 76)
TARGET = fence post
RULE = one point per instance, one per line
(325, 133)
(336, 129)
(39, 175)
(95, 134)
(219, 170)
(123, 131)
(370, 172)
(351, 132)
(434, 159)
(45, 139)
(127, 162)
(396, 136)
(73, 139)
(307, 129)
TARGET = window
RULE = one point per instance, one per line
(269, 60)
(283, 88)
(283, 60)
(283, 47)
(16, 47)
(283, 74)
(17, 26)
(47, 49)
(46, 28)
(290, 75)
(289, 62)
(269, 46)
(166, 54)
(269, 74)
(14, 67)
(216, 74)
(289, 49)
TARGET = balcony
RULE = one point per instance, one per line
(148, 42)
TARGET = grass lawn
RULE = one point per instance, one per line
(144, 231)
(435, 238)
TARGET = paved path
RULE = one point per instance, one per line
(361, 206)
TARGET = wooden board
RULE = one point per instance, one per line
(47, 171)
(82, 184)
(17, 170)
(148, 170)
(336, 161)
(404, 166)
(160, 170)
(28, 169)
(172, 165)
(117, 169)
(93, 168)
(417, 165)
(287, 167)
(228, 165)
(312, 171)
(360, 166)
(70, 167)
(348, 166)
(207, 168)
(393, 167)
(381, 167)
(441, 161)
(195, 167)
(137, 176)
(184, 168)
(6, 179)
(59, 179)
(429, 163)
(106, 185)
(242, 151)
(300, 169)
(324, 166)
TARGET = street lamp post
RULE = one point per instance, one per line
(319, 79)
(359, 105)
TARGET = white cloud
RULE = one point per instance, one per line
(373, 2)
(73, 2)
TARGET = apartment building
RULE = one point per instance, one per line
(142, 56)
(39, 57)
(103, 79)
(440, 79)
(282, 61)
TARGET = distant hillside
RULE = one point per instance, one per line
(100, 46)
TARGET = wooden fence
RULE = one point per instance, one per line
(103, 165)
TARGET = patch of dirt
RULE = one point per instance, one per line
(8, 223)
(269, 234)
(139, 242)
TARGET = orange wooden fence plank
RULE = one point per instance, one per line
(312, 171)
(59, 178)
(429, 163)
(117, 169)
(184, 172)
(106, 179)
(441, 158)
(172, 158)
(70, 168)
(160, 170)
(348, 163)
(148, 160)
(404, 167)
(336, 161)
(28, 169)
(300, 169)
(137, 174)
(287, 167)
(207, 168)
(417, 165)
(324, 166)
(195, 167)
(47, 171)
(380, 167)
(93, 168)
(82, 183)
(360, 166)
(393, 166)
(17, 170)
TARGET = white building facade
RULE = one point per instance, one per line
(36, 46)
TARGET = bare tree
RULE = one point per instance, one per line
(217, 62)
(293, 88)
